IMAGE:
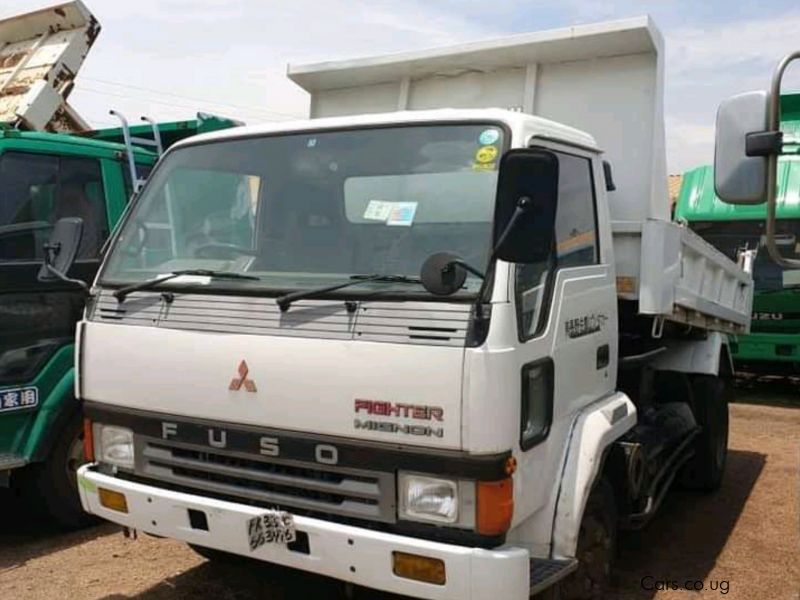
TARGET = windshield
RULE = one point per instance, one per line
(731, 236)
(303, 210)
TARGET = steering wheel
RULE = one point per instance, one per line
(221, 250)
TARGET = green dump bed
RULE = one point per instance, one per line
(170, 132)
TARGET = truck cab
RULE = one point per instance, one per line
(45, 177)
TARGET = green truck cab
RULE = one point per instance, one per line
(773, 346)
(45, 177)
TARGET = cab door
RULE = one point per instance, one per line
(566, 310)
(37, 318)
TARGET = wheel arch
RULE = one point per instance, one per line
(54, 414)
(705, 356)
(594, 433)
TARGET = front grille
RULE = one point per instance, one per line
(293, 486)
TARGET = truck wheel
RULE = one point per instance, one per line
(54, 485)
(597, 547)
(705, 469)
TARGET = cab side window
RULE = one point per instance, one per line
(575, 244)
(27, 190)
(37, 190)
(80, 194)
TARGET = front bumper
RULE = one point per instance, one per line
(344, 552)
(767, 353)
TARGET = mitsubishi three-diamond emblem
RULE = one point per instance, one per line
(242, 381)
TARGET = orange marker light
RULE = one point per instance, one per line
(495, 506)
(419, 568)
(113, 500)
(88, 441)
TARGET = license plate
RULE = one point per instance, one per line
(271, 527)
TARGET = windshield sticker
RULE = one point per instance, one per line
(791, 277)
(402, 214)
(18, 398)
(476, 166)
(377, 210)
(488, 137)
(486, 154)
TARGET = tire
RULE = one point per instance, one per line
(52, 486)
(704, 470)
(597, 548)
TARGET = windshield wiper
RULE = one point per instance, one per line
(285, 302)
(121, 293)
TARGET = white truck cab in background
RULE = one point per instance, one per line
(414, 342)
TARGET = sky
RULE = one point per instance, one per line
(169, 59)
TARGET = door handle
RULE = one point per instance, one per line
(603, 356)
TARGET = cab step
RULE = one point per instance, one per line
(547, 571)
(7, 463)
(11, 461)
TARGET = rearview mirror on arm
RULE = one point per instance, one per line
(740, 158)
(748, 143)
(60, 251)
(525, 213)
(524, 221)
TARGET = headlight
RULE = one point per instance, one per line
(113, 445)
(428, 499)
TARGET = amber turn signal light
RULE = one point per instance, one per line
(112, 500)
(419, 568)
(495, 506)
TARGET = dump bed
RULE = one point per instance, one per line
(169, 132)
(40, 55)
(606, 79)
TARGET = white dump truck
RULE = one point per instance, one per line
(440, 339)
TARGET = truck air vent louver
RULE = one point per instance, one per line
(111, 314)
(431, 333)
(412, 322)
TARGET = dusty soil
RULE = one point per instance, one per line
(741, 542)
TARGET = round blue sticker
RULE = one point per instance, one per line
(489, 136)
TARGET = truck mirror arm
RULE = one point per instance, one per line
(773, 126)
(56, 273)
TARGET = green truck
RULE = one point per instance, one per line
(45, 177)
(53, 166)
(773, 345)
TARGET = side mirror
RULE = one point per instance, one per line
(442, 273)
(525, 212)
(741, 148)
(61, 249)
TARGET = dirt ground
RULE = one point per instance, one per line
(742, 542)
